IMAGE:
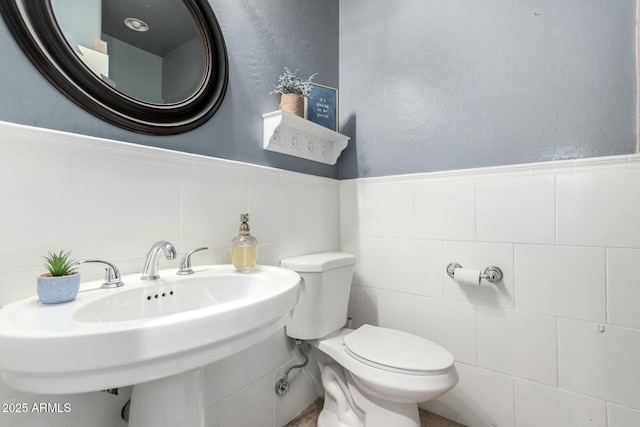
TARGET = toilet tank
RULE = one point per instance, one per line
(324, 294)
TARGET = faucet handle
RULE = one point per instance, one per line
(111, 273)
(185, 264)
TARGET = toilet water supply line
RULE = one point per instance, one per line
(282, 386)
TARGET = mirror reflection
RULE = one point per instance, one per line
(150, 50)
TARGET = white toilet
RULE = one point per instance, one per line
(372, 376)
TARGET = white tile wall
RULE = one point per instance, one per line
(406, 257)
(389, 208)
(383, 308)
(445, 210)
(549, 279)
(105, 203)
(600, 364)
(316, 210)
(623, 287)
(274, 197)
(619, 416)
(599, 208)
(211, 416)
(450, 324)
(212, 203)
(257, 397)
(227, 376)
(349, 213)
(517, 343)
(372, 260)
(566, 235)
(35, 219)
(539, 405)
(516, 209)
(113, 201)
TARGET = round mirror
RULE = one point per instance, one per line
(152, 66)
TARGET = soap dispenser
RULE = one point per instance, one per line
(244, 247)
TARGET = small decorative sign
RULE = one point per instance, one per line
(322, 106)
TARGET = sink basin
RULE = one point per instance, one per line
(144, 331)
(172, 296)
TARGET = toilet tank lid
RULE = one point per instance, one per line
(318, 262)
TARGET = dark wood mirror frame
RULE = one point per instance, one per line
(34, 27)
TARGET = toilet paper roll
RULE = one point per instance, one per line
(467, 277)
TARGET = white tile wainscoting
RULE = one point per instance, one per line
(557, 343)
(529, 351)
(111, 200)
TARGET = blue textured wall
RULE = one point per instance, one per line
(262, 37)
(424, 85)
(434, 85)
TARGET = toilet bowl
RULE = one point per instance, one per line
(371, 376)
(386, 374)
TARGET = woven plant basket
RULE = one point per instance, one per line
(292, 103)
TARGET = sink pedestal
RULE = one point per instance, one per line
(175, 401)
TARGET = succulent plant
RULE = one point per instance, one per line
(289, 82)
(60, 264)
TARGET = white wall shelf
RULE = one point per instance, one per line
(289, 134)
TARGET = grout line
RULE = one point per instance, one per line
(606, 285)
(638, 76)
(477, 338)
(514, 278)
(555, 207)
(513, 393)
(475, 210)
(558, 352)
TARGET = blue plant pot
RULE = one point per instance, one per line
(55, 290)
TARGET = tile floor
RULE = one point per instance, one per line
(308, 417)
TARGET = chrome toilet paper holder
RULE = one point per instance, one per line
(491, 274)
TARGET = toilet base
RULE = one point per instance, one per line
(346, 405)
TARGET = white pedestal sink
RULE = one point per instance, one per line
(154, 335)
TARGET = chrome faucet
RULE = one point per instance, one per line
(150, 270)
(111, 273)
(185, 264)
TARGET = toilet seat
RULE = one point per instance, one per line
(397, 351)
(381, 380)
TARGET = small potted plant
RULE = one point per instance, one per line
(293, 90)
(62, 282)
